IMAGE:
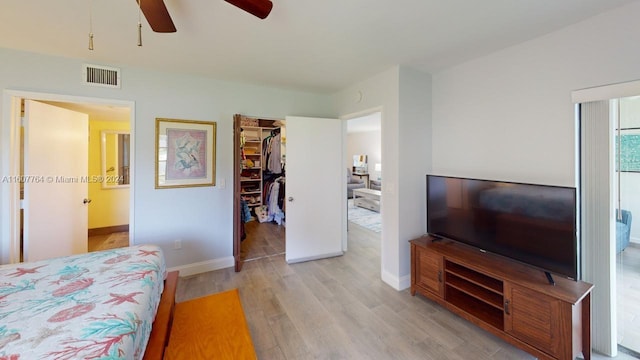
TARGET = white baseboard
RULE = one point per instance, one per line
(398, 283)
(318, 257)
(204, 266)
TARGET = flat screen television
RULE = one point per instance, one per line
(533, 224)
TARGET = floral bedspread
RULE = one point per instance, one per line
(99, 305)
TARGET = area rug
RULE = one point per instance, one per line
(210, 327)
(364, 217)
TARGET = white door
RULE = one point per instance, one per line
(314, 190)
(55, 182)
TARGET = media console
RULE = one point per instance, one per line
(507, 298)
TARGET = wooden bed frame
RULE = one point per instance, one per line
(161, 329)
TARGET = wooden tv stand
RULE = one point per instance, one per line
(509, 299)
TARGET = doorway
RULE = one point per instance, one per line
(608, 183)
(364, 167)
(259, 188)
(314, 189)
(109, 173)
(98, 110)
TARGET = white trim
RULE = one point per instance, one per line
(317, 257)
(204, 266)
(9, 137)
(606, 92)
(597, 220)
(10, 191)
(345, 118)
(399, 284)
(362, 113)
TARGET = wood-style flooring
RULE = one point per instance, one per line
(107, 241)
(338, 308)
(263, 239)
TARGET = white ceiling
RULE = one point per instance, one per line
(306, 45)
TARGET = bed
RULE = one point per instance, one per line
(100, 305)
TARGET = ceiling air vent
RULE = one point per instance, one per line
(97, 75)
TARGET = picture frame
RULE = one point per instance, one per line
(185, 153)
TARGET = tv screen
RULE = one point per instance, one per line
(533, 224)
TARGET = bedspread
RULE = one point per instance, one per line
(99, 305)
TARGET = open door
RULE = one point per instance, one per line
(55, 182)
(315, 188)
(237, 168)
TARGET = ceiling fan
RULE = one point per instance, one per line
(159, 19)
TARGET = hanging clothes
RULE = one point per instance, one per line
(245, 213)
(272, 152)
(275, 164)
(273, 196)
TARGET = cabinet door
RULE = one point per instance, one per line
(428, 271)
(537, 319)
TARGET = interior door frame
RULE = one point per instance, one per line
(237, 236)
(10, 159)
(598, 259)
(345, 220)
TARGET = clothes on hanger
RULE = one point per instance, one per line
(272, 153)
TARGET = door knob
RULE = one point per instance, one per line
(86, 201)
(290, 199)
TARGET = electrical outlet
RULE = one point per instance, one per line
(177, 245)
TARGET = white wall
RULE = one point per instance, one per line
(201, 217)
(415, 157)
(364, 143)
(509, 115)
(406, 157)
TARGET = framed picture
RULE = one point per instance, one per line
(185, 153)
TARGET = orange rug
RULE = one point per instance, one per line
(210, 327)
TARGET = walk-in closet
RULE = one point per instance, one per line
(260, 212)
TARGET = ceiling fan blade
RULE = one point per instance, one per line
(157, 15)
(259, 8)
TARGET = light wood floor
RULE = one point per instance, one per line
(263, 239)
(338, 308)
(107, 241)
